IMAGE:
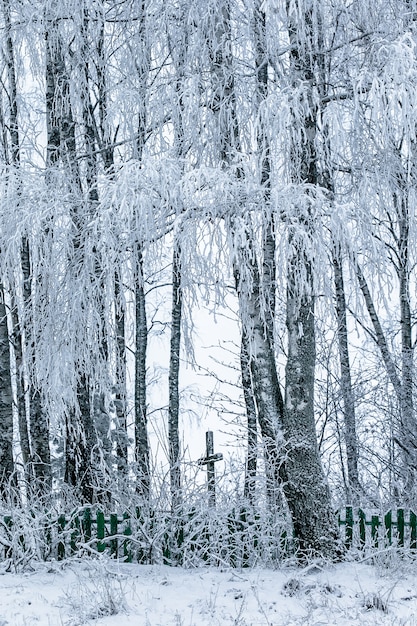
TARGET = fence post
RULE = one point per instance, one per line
(362, 527)
(86, 525)
(400, 526)
(413, 525)
(101, 546)
(113, 531)
(374, 530)
(75, 535)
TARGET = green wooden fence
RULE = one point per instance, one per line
(375, 530)
(242, 535)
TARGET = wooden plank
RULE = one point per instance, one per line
(413, 533)
(101, 529)
(400, 527)
(362, 528)
(209, 460)
(75, 534)
(374, 530)
(114, 544)
(86, 525)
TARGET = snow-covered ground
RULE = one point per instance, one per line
(105, 593)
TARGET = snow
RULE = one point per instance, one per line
(106, 593)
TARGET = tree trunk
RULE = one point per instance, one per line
(7, 475)
(120, 387)
(173, 379)
(265, 386)
(407, 429)
(142, 453)
(306, 490)
(252, 424)
(24, 439)
(80, 442)
(38, 422)
(81, 436)
(354, 488)
(141, 432)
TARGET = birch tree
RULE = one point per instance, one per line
(385, 176)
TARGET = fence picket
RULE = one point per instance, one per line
(75, 534)
(374, 530)
(362, 528)
(86, 525)
(413, 534)
(394, 524)
(114, 544)
(101, 529)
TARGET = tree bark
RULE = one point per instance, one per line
(120, 387)
(252, 422)
(38, 420)
(141, 432)
(142, 453)
(173, 379)
(354, 488)
(7, 470)
(306, 489)
(257, 344)
(81, 436)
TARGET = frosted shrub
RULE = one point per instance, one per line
(97, 593)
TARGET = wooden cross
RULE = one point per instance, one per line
(210, 460)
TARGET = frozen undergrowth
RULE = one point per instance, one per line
(379, 591)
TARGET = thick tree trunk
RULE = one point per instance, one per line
(306, 490)
(259, 353)
(80, 442)
(107, 153)
(81, 436)
(97, 379)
